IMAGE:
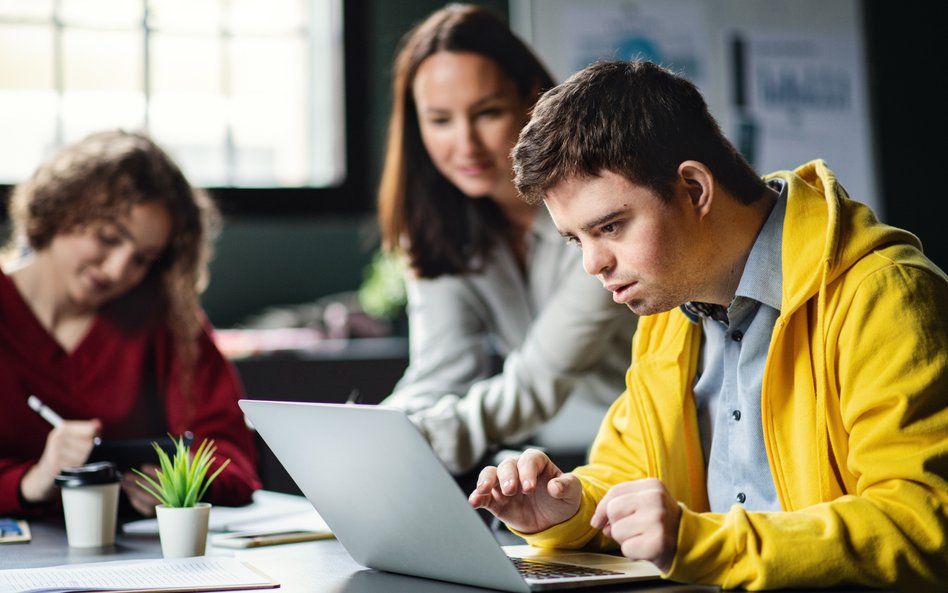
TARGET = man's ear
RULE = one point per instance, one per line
(698, 181)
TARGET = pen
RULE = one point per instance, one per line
(47, 414)
(354, 397)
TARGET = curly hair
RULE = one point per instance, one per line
(101, 177)
(419, 210)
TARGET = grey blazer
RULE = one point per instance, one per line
(565, 345)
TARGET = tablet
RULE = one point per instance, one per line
(132, 453)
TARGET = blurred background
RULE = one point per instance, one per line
(280, 108)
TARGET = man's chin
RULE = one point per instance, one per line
(643, 308)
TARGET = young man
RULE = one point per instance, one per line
(785, 420)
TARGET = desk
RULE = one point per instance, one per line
(311, 567)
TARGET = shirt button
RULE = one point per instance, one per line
(741, 497)
(737, 335)
(736, 415)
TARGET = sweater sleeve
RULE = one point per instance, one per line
(211, 411)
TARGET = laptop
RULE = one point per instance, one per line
(393, 505)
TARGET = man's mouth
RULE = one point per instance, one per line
(621, 293)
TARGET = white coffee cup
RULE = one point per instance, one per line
(90, 496)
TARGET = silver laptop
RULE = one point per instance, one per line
(391, 503)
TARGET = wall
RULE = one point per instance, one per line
(262, 263)
(278, 261)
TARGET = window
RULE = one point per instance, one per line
(244, 94)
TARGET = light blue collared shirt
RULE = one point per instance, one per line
(730, 375)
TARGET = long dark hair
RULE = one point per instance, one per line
(420, 211)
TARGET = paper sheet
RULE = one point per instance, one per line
(186, 574)
(270, 511)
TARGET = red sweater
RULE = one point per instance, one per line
(124, 373)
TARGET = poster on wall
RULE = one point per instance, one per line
(667, 33)
(804, 100)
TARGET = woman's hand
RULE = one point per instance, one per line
(142, 501)
(67, 445)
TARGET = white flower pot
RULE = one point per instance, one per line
(183, 531)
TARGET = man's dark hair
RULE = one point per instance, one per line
(634, 118)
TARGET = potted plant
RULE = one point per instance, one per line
(179, 485)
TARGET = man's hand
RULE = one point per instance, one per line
(141, 501)
(528, 492)
(643, 518)
(67, 445)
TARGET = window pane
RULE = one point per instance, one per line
(273, 16)
(185, 64)
(28, 121)
(26, 9)
(194, 129)
(186, 15)
(275, 148)
(103, 60)
(85, 111)
(27, 61)
(102, 13)
(28, 101)
(328, 165)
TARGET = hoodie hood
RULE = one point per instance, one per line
(819, 205)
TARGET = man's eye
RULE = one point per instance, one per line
(574, 241)
(610, 228)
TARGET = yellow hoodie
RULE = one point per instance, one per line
(854, 407)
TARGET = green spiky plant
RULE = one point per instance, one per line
(182, 481)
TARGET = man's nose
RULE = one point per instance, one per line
(596, 259)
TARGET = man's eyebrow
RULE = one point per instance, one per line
(589, 226)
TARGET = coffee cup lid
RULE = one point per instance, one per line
(100, 472)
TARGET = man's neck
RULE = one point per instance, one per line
(742, 223)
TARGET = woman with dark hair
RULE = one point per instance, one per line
(488, 273)
(99, 318)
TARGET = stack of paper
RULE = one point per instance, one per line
(202, 573)
(269, 511)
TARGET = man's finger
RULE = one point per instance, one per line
(531, 464)
(508, 476)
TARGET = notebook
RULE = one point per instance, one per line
(394, 507)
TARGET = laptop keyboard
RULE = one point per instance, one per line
(542, 569)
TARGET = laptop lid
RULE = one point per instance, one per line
(386, 496)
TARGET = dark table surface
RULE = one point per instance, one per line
(319, 566)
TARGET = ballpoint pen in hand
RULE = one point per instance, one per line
(49, 415)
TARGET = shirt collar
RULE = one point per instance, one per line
(762, 279)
